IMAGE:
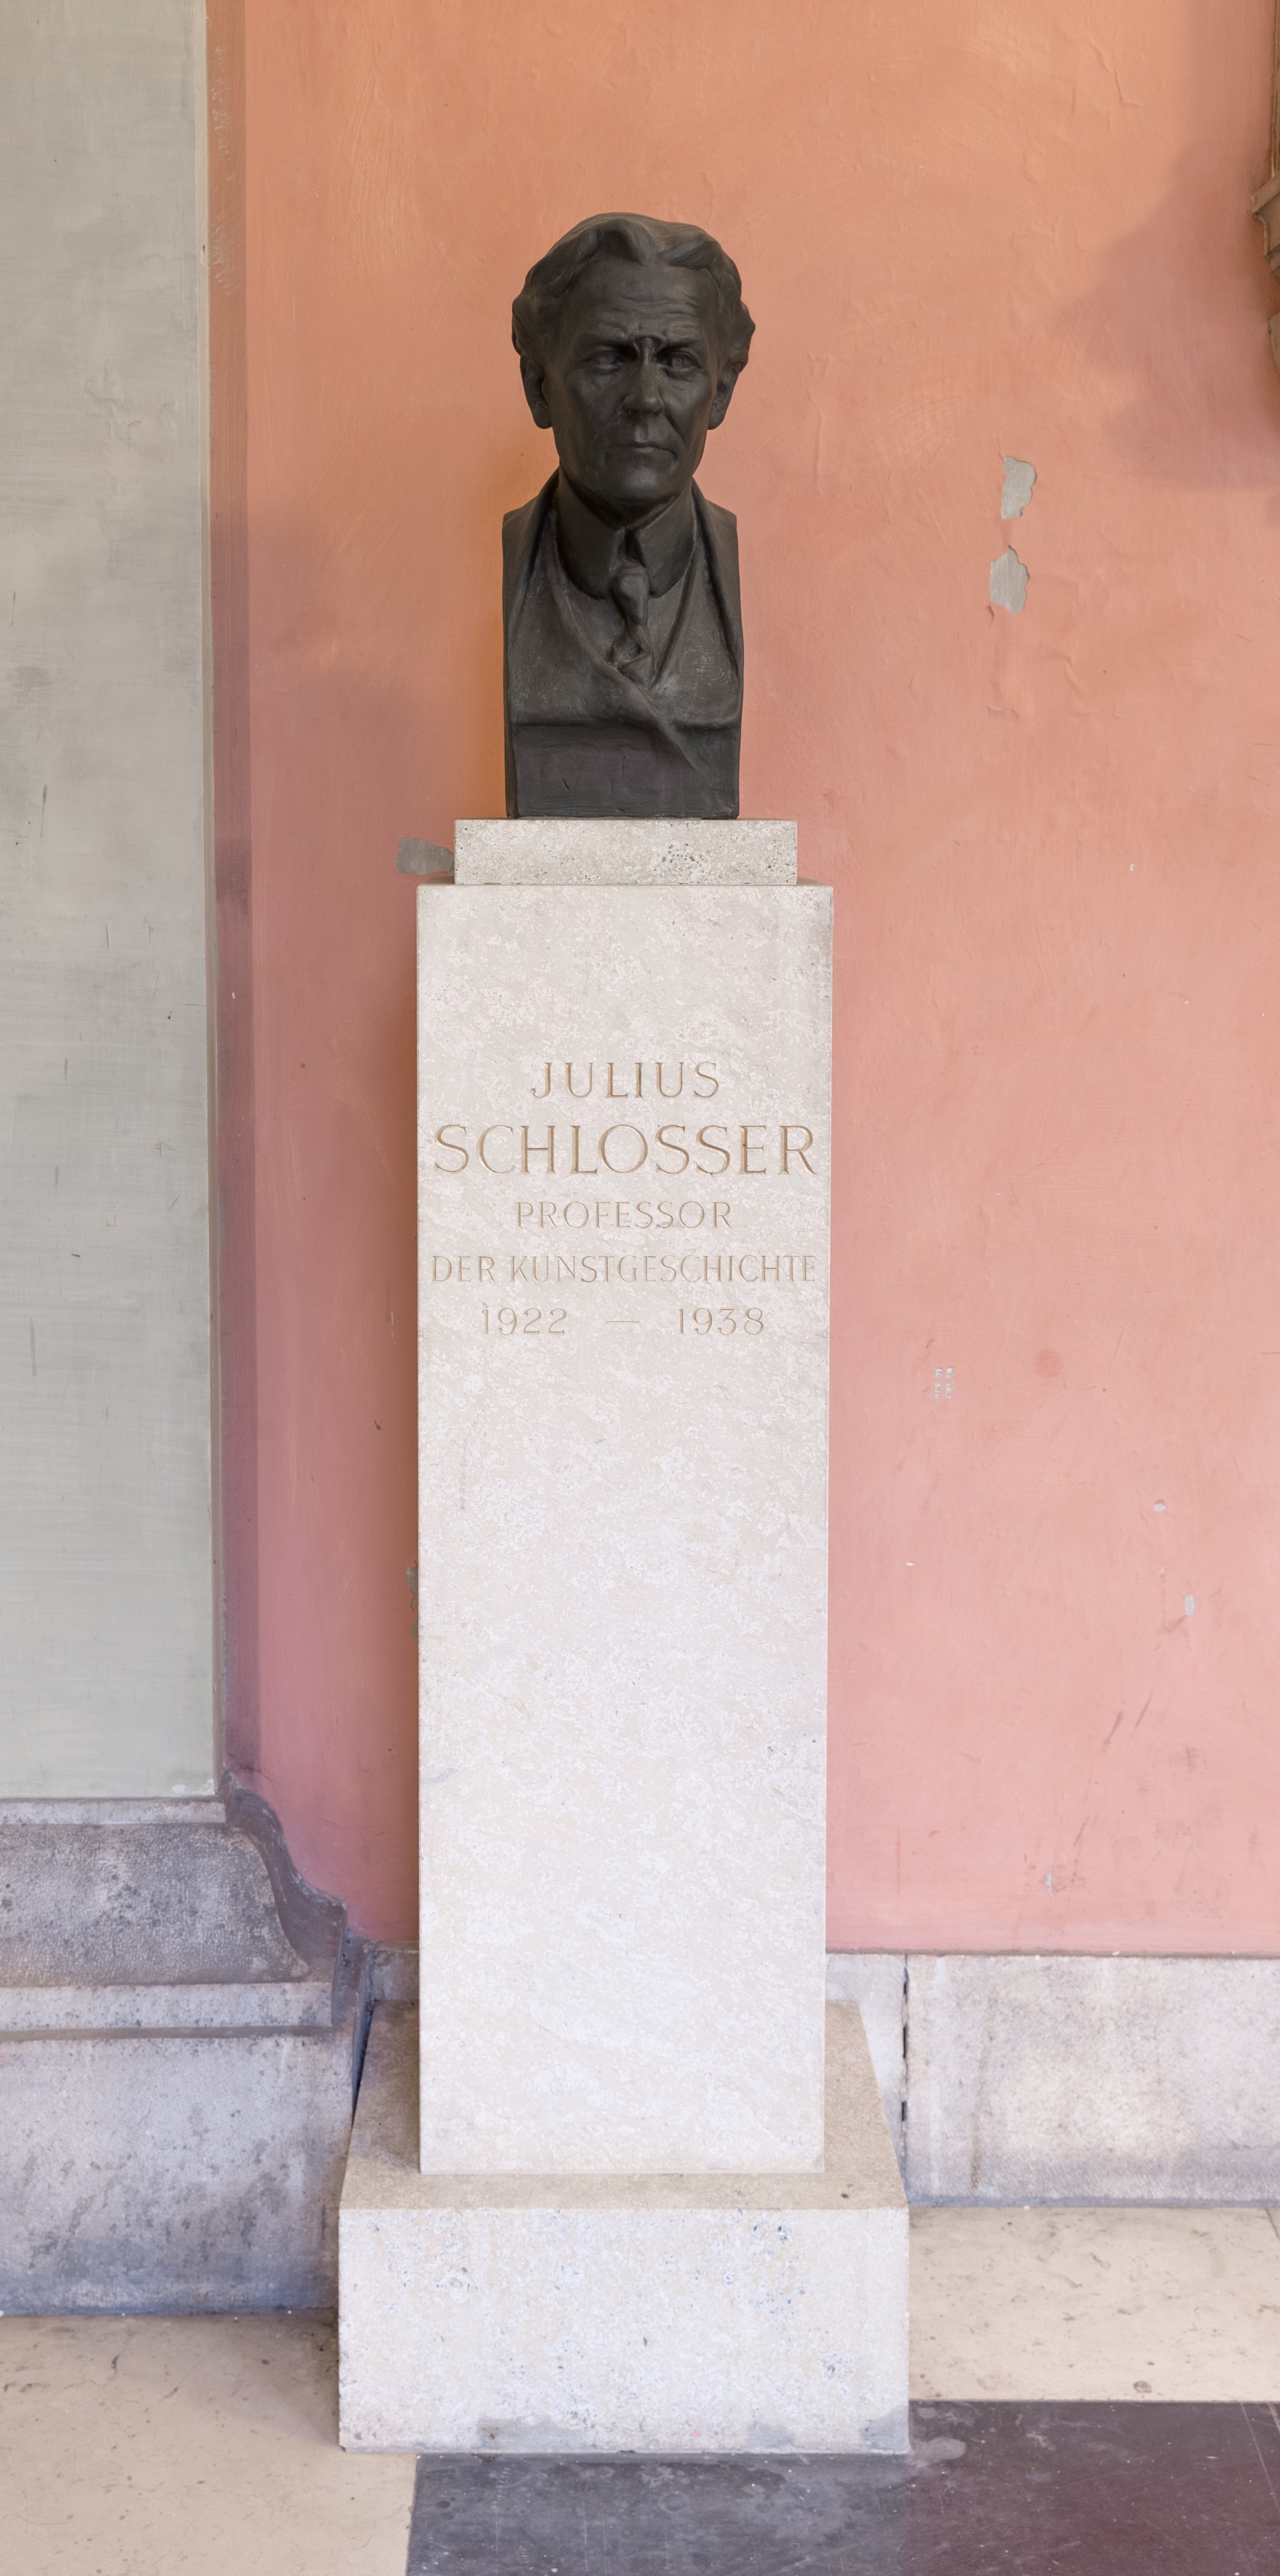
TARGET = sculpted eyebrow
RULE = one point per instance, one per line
(629, 339)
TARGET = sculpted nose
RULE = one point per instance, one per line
(644, 393)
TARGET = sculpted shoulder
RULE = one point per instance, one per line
(521, 530)
(722, 530)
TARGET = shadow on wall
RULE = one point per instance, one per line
(1184, 329)
(317, 1182)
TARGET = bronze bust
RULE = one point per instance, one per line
(622, 670)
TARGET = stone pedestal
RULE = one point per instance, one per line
(624, 1159)
(667, 2313)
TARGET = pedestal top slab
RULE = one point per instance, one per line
(552, 852)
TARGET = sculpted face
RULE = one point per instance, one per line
(631, 384)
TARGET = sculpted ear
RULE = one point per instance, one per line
(531, 377)
(725, 383)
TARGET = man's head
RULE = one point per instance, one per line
(631, 335)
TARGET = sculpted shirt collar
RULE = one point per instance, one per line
(591, 549)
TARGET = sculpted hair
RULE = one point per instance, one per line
(649, 243)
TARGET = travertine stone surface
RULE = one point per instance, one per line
(1100, 2306)
(732, 2312)
(623, 1402)
(1091, 2079)
(196, 2445)
(552, 852)
(875, 1980)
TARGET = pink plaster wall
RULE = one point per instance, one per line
(965, 229)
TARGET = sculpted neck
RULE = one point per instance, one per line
(592, 542)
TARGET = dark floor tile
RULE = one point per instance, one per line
(988, 2491)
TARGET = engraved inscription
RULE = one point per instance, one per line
(682, 1124)
(528, 1320)
(722, 1319)
(617, 1214)
(634, 1269)
(754, 1147)
(652, 1081)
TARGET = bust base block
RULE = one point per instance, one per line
(656, 2313)
(566, 851)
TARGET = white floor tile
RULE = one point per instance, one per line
(186, 2446)
(1095, 2304)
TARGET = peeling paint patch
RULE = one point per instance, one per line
(1019, 484)
(1009, 580)
(424, 859)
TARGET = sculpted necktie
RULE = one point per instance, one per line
(633, 652)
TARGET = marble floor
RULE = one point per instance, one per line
(988, 2489)
(204, 2446)
(1082, 2304)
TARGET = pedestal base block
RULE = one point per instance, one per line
(661, 2313)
